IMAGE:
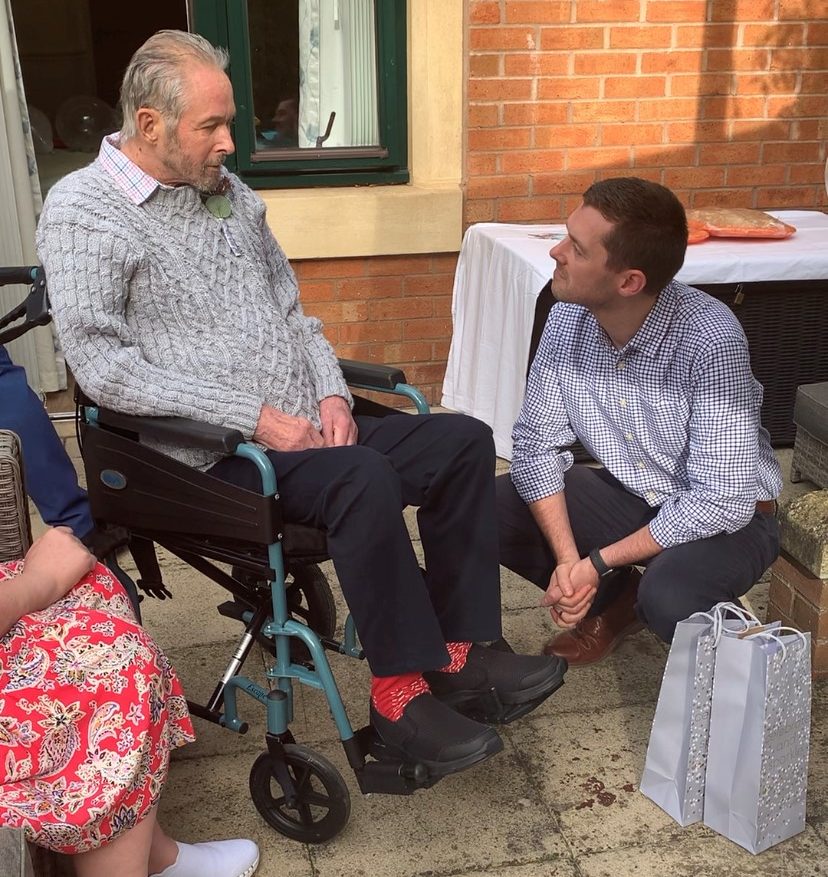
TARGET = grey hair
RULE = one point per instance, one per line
(156, 74)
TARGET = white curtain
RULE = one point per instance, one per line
(20, 204)
(338, 72)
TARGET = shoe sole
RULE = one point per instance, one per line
(248, 872)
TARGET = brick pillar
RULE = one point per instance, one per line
(799, 578)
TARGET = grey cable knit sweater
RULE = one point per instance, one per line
(162, 311)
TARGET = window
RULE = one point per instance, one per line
(320, 88)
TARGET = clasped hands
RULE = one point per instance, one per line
(284, 432)
(571, 591)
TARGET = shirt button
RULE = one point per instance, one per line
(651, 496)
(641, 464)
(628, 436)
(620, 364)
(622, 403)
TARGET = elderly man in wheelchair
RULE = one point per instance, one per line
(174, 303)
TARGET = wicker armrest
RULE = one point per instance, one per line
(15, 528)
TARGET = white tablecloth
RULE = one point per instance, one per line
(502, 269)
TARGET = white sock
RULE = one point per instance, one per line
(223, 858)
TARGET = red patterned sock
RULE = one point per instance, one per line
(392, 694)
(458, 652)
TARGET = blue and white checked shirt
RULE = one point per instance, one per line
(674, 415)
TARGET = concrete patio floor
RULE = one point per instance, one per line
(561, 799)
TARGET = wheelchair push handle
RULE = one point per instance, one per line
(23, 274)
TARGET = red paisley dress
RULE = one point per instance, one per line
(90, 709)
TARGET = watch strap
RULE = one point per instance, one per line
(598, 562)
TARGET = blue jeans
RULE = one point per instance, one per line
(51, 480)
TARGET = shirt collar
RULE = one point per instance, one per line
(137, 185)
(648, 338)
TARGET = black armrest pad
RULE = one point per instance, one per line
(383, 377)
(192, 433)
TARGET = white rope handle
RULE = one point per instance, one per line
(748, 619)
(773, 634)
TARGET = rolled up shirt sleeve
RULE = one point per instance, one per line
(542, 430)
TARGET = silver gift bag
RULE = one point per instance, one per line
(757, 765)
(674, 769)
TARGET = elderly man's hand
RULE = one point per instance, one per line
(284, 432)
(338, 425)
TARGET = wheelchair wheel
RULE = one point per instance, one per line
(322, 806)
(309, 598)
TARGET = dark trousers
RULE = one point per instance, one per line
(443, 463)
(51, 480)
(680, 580)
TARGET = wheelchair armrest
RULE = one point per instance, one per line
(370, 374)
(193, 433)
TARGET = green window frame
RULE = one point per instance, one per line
(224, 23)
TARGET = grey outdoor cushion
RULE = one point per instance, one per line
(811, 409)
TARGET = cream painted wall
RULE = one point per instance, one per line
(424, 216)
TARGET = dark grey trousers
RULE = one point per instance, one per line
(680, 580)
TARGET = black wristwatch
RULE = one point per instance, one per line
(598, 562)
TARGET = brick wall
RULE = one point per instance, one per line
(725, 101)
(390, 309)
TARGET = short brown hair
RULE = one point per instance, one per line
(649, 227)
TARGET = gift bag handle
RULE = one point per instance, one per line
(773, 635)
(716, 616)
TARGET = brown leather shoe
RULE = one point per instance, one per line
(596, 637)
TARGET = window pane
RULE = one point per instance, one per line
(314, 73)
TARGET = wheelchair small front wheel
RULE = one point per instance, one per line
(322, 804)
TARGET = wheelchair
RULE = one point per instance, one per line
(279, 593)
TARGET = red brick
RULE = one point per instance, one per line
(406, 351)
(499, 89)
(796, 9)
(498, 186)
(485, 65)
(694, 178)
(807, 617)
(665, 156)
(607, 10)
(400, 308)
(781, 592)
(428, 284)
(339, 311)
(817, 33)
(729, 153)
(676, 10)
(738, 59)
(528, 210)
(441, 350)
(359, 352)
(328, 268)
(532, 162)
(694, 84)
(787, 152)
(733, 107)
(571, 37)
(774, 129)
(797, 106)
(502, 138)
(773, 34)
(563, 184)
(819, 658)
(793, 197)
(689, 132)
(392, 265)
(479, 211)
(638, 37)
(630, 134)
(567, 135)
(578, 159)
(483, 164)
(390, 330)
(442, 305)
(426, 374)
(434, 327)
(320, 290)
(374, 287)
(605, 62)
(603, 111)
(751, 175)
(704, 36)
(656, 175)
(806, 173)
(537, 11)
(722, 198)
(535, 114)
(443, 263)
(743, 10)
(487, 12)
(501, 38)
(635, 86)
(772, 83)
(483, 116)
(535, 64)
(799, 59)
(671, 62)
(669, 109)
(567, 88)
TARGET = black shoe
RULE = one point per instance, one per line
(498, 686)
(432, 734)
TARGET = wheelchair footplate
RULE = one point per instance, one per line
(386, 774)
